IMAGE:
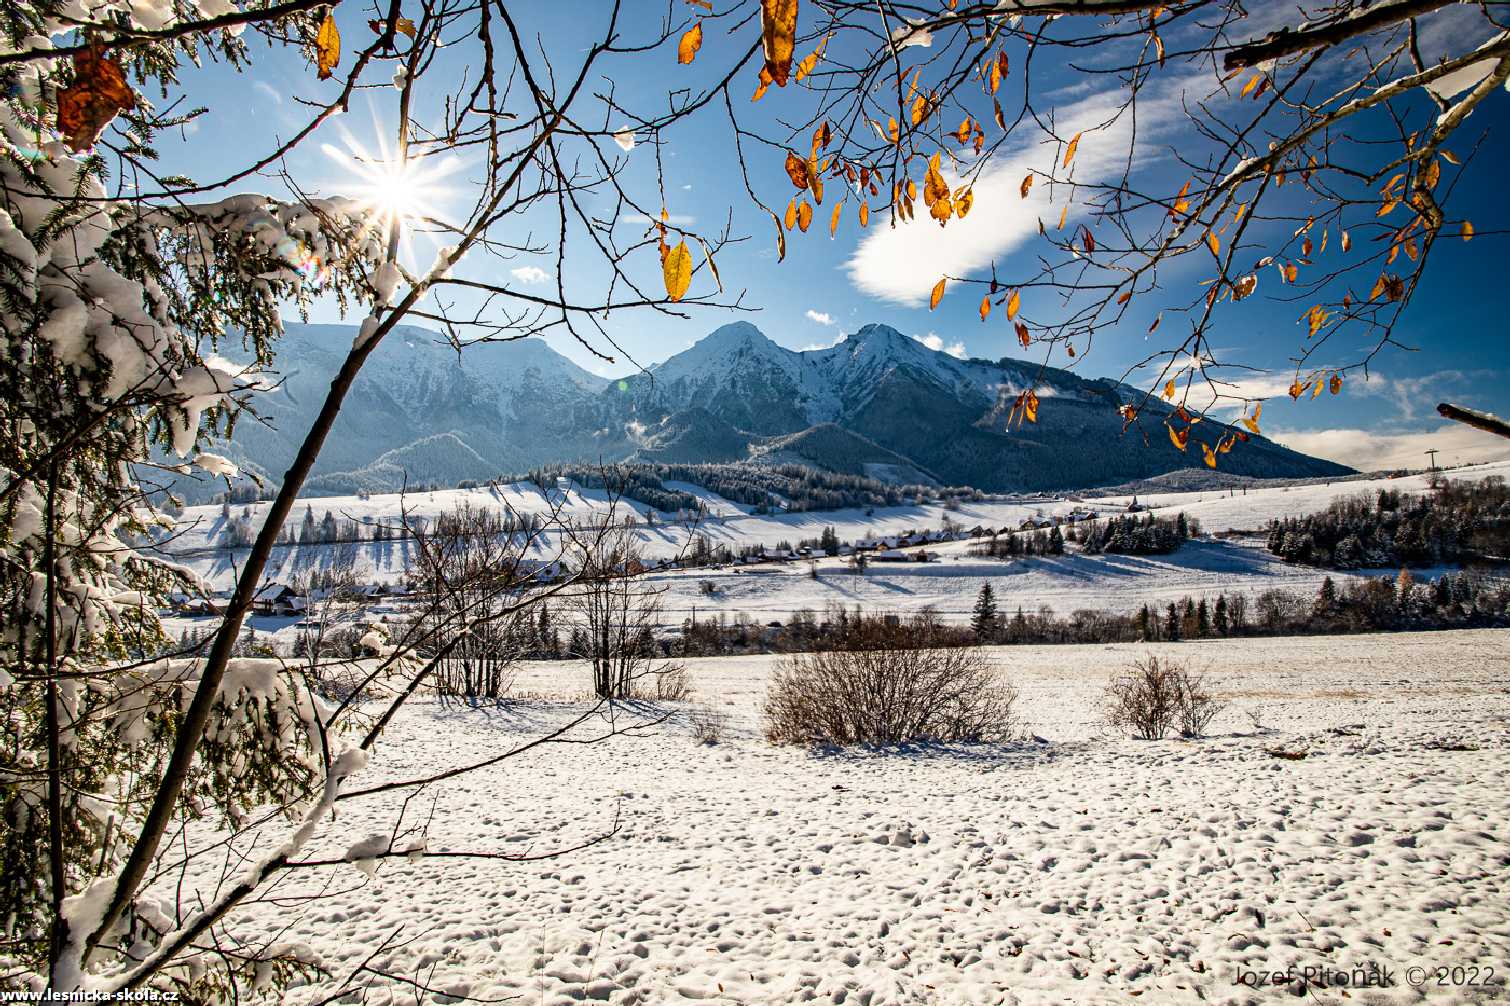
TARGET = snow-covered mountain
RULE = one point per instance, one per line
(878, 403)
(941, 416)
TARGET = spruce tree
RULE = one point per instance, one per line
(1172, 624)
(985, 621)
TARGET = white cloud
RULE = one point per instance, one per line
(957, 350)
(675, 219)
(901, 264)
(530, 274)
(1368, 451)
(268, 91)
(821, 317)
(931, 340)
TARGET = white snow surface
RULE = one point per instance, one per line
(770, 592)
(1074, 867)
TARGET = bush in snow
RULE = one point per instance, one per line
(1157, 695)
(888, 690)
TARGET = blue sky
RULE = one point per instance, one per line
(826, 288)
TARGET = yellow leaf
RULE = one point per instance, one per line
(1208, 455)
(937, 295)
(1069, 152)
(1014, 304)
(804, 216)
(964, 202)
(985, 306)
(1316, 389)
(1467, 231)
(1180, 438)
(677, 270)
(864, 214)
(778, 33)
(1214, 243)
(791, 214)
(327, 47)
(1297, 389)
(833, 221)
(1169, 389)
(691, 41)
(1030, 406)
(1251, 84)
(1252, 424)
(1064, 215)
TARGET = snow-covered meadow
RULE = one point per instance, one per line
(774, 592)
(1070, 867)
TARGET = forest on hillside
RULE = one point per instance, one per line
(1456, 522)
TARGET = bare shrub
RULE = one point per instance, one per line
(707, 725)
(888, 692)
(1156, 696)
(1195, 705)
(669, 683)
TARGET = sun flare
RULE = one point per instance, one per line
(400, 194)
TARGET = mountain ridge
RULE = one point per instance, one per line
(878, 403)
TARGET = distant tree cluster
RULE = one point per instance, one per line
(1460, 600)
(1009, 545)
(1456, 522)
(791, 488)
(1130, 535)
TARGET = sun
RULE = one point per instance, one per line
(402, 196)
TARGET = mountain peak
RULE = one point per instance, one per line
(876, 332)
(736, 333)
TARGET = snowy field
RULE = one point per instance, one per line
(773, 592)
(1072, 867)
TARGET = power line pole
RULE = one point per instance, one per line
(1432, 454)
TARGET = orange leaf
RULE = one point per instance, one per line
(765, 82)
(98, 93)
(1027, 183)
(1014, 304)
(1069, 152)
(791, 214)
(1022, 334)
(1336, 383)
(864, 214)
(1169, 389)
(796, 170)
(1180, 438)
(833, 222)
(692, 40)
(804, 216)
(937, 295)
(778, 33)
(677, 271)
(1064, 215)
(1208, 455)
(1467, 231)
(1030, 406)
(1347, 241)
(1214, 243)
(985, 306)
